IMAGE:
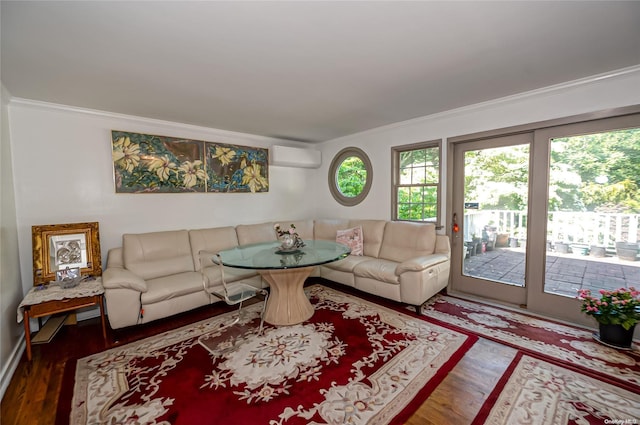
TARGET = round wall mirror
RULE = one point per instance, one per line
(350, 176)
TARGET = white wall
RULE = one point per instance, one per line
(577, 97)
(63, 173)
(10, 283)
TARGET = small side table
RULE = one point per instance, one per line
(52, 300)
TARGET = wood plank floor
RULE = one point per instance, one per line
(32, 395)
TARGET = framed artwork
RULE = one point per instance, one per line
(68, 274)
(62, 247)
(145, 163)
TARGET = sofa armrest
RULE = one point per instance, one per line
(420, 263)
(117, 277)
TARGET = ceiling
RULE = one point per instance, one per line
(307, 71)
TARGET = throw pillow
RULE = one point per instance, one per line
(352, 238)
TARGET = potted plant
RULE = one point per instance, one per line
(617, 313)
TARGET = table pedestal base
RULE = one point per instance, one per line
(287, 304)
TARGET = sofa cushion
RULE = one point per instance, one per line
(327, 229)
(304, 228)
(173, 286)
(405, 240)
(211, 241)
(372, 234)
(256, 233)
(156, 254)
(351, 238)
(347, 264)
(383, 270)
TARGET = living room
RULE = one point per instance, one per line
(57, 164)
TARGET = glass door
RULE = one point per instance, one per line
(491, 207)
(590, 214)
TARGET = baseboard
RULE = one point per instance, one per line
(11, 366)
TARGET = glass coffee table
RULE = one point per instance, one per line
(286, 272)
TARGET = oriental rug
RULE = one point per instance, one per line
(557, 342)
(534, 391)
(353, 362)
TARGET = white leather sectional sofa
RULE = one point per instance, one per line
(159, 274)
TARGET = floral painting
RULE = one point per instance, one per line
(145, 163)
(236, 168)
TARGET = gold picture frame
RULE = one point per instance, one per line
(60, 246)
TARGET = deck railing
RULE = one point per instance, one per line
(589, 228)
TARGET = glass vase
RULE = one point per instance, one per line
(287, 242)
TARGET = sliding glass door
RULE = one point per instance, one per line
(545, 213)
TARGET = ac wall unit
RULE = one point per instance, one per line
(286, 156)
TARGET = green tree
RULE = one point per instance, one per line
(597, 170)
(498, 178)
(351, 176)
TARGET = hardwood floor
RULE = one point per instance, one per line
(32, 395)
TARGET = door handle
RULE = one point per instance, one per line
(454, 225)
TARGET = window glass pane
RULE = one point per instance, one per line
(432, 174)
(430, 203)
(417, 175)
(593, 211)
(405, 176)
(351, 176)
(405, 158)
(495, 207)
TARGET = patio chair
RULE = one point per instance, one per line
(234, 293)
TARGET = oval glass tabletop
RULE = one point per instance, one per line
(268, 255)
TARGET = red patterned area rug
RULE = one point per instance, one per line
(534, 391)
(558, 342)
(353, 362)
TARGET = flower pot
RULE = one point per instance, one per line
(513, 242)
(580, 249)
(478, 243)
(616, 335)
(471, 247)
(627, 251)
(502, 240)
(562, 248)
(597, 251)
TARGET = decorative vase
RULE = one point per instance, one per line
(616, 335)
(288, 242)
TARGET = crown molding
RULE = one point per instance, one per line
(216, 132)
